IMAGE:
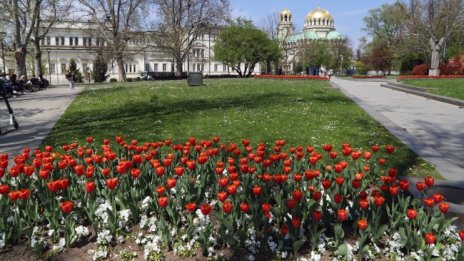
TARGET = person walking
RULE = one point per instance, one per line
(71, 79)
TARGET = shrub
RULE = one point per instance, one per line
(421, 69)
(100, 68)
(137, 79)
(129, 79)
(450, 69)
(113, 80)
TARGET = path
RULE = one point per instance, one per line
(36, 114)
(434, 130)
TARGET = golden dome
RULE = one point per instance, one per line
(319, 13)
(285, 12)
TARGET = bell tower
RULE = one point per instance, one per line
(285, 27)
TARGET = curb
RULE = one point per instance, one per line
(422, 92)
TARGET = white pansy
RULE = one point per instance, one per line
(81, 231)
(146, 202)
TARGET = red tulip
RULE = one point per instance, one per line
(135, 173)
(437, 197)
(43, 174)
(375, 148)
(461, 235)
(339, 180)
(429, 202)
(160, 190)
(256, 190)
(443, 206)
(171, 182)
(327, 147)
(89, 186)
(291, 203)
(79, 170)
(404, 184)
(53, 186)
(411, 213)
(112, 183)
(429, 181)
(296, 222)
(232, 189)
(379, 201)
(316, 215)
(24, 194)
(342, 215)
(364, 204)
(163, 202)
(326, 183)
(338, 198)
(244, 207)
(179, 170)
(67, 207)
(222, 196)
(227, 207)
(362, 224)
(205, 209)
(394, 190)
(4, 189)
(14, 195)
(62, 184)
(389, 149)
(284, 229)
(420, 186)
(317, 195)
(392, 172)
(89, 139)
(223, 182)
(266, 207)
(297, 195)
(430, 238)
(191, 207)
(356, 183)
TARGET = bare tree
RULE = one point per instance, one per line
(181, 22)
(117, 21)
(47, 14)
(269, 25)
(21, 16)
(434, 21)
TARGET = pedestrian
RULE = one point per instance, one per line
(71, 78)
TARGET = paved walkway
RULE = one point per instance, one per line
(434, 130)
(36, 114)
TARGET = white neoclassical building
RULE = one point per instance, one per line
(319, 25)
(79, 41)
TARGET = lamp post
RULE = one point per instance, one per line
(3, 52)
(341, 64)
(49, 67)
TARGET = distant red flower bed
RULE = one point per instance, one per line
(303, 77)
(367, 77)
(405, 77)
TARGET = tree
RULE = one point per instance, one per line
(47, 14)
(116, 21)
(100, 68)
(181, 22)
(74, 71)
(434, 21)
(21, 16)
(242, 46)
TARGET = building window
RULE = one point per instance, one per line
(224, 68)
(52, 68)
(62, 40)
(71, 40)
(147, 67)
(84, 67)
(215, 67)
(135, 68)
(76, 40)
(48, 40)
(57, 41)
(202, 52)
(193, 67)
(164, 67)
(89, 41)
(63, 68)
(98, 42)
(155, 67)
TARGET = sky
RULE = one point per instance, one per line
(348, 14)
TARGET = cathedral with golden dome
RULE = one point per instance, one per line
(319, 25)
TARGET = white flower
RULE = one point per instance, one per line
(81, 231)
(101, 253)
(146, 203)
(104, 237)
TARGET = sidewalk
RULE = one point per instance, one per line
(36, 113)
(434, 130)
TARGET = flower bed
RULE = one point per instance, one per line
(405, 77)
(292, 77)
(368, 77)
(211, 196)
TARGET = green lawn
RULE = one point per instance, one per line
(453, 88)
(301, 112)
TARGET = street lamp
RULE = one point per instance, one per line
(3, 51)
(341, 64)
(49, 67)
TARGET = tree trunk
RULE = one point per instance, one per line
(179, 68)
(121, 69)
(20, 62)
(435, 60)
(37, 58)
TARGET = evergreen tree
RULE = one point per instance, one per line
(100, 68)
(74, 71)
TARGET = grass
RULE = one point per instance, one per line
(453, 88)
(301, 112)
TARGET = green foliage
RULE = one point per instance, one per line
(74, 71)
(243, 45)
(100, 68)
(361, 67)
(113, 80)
